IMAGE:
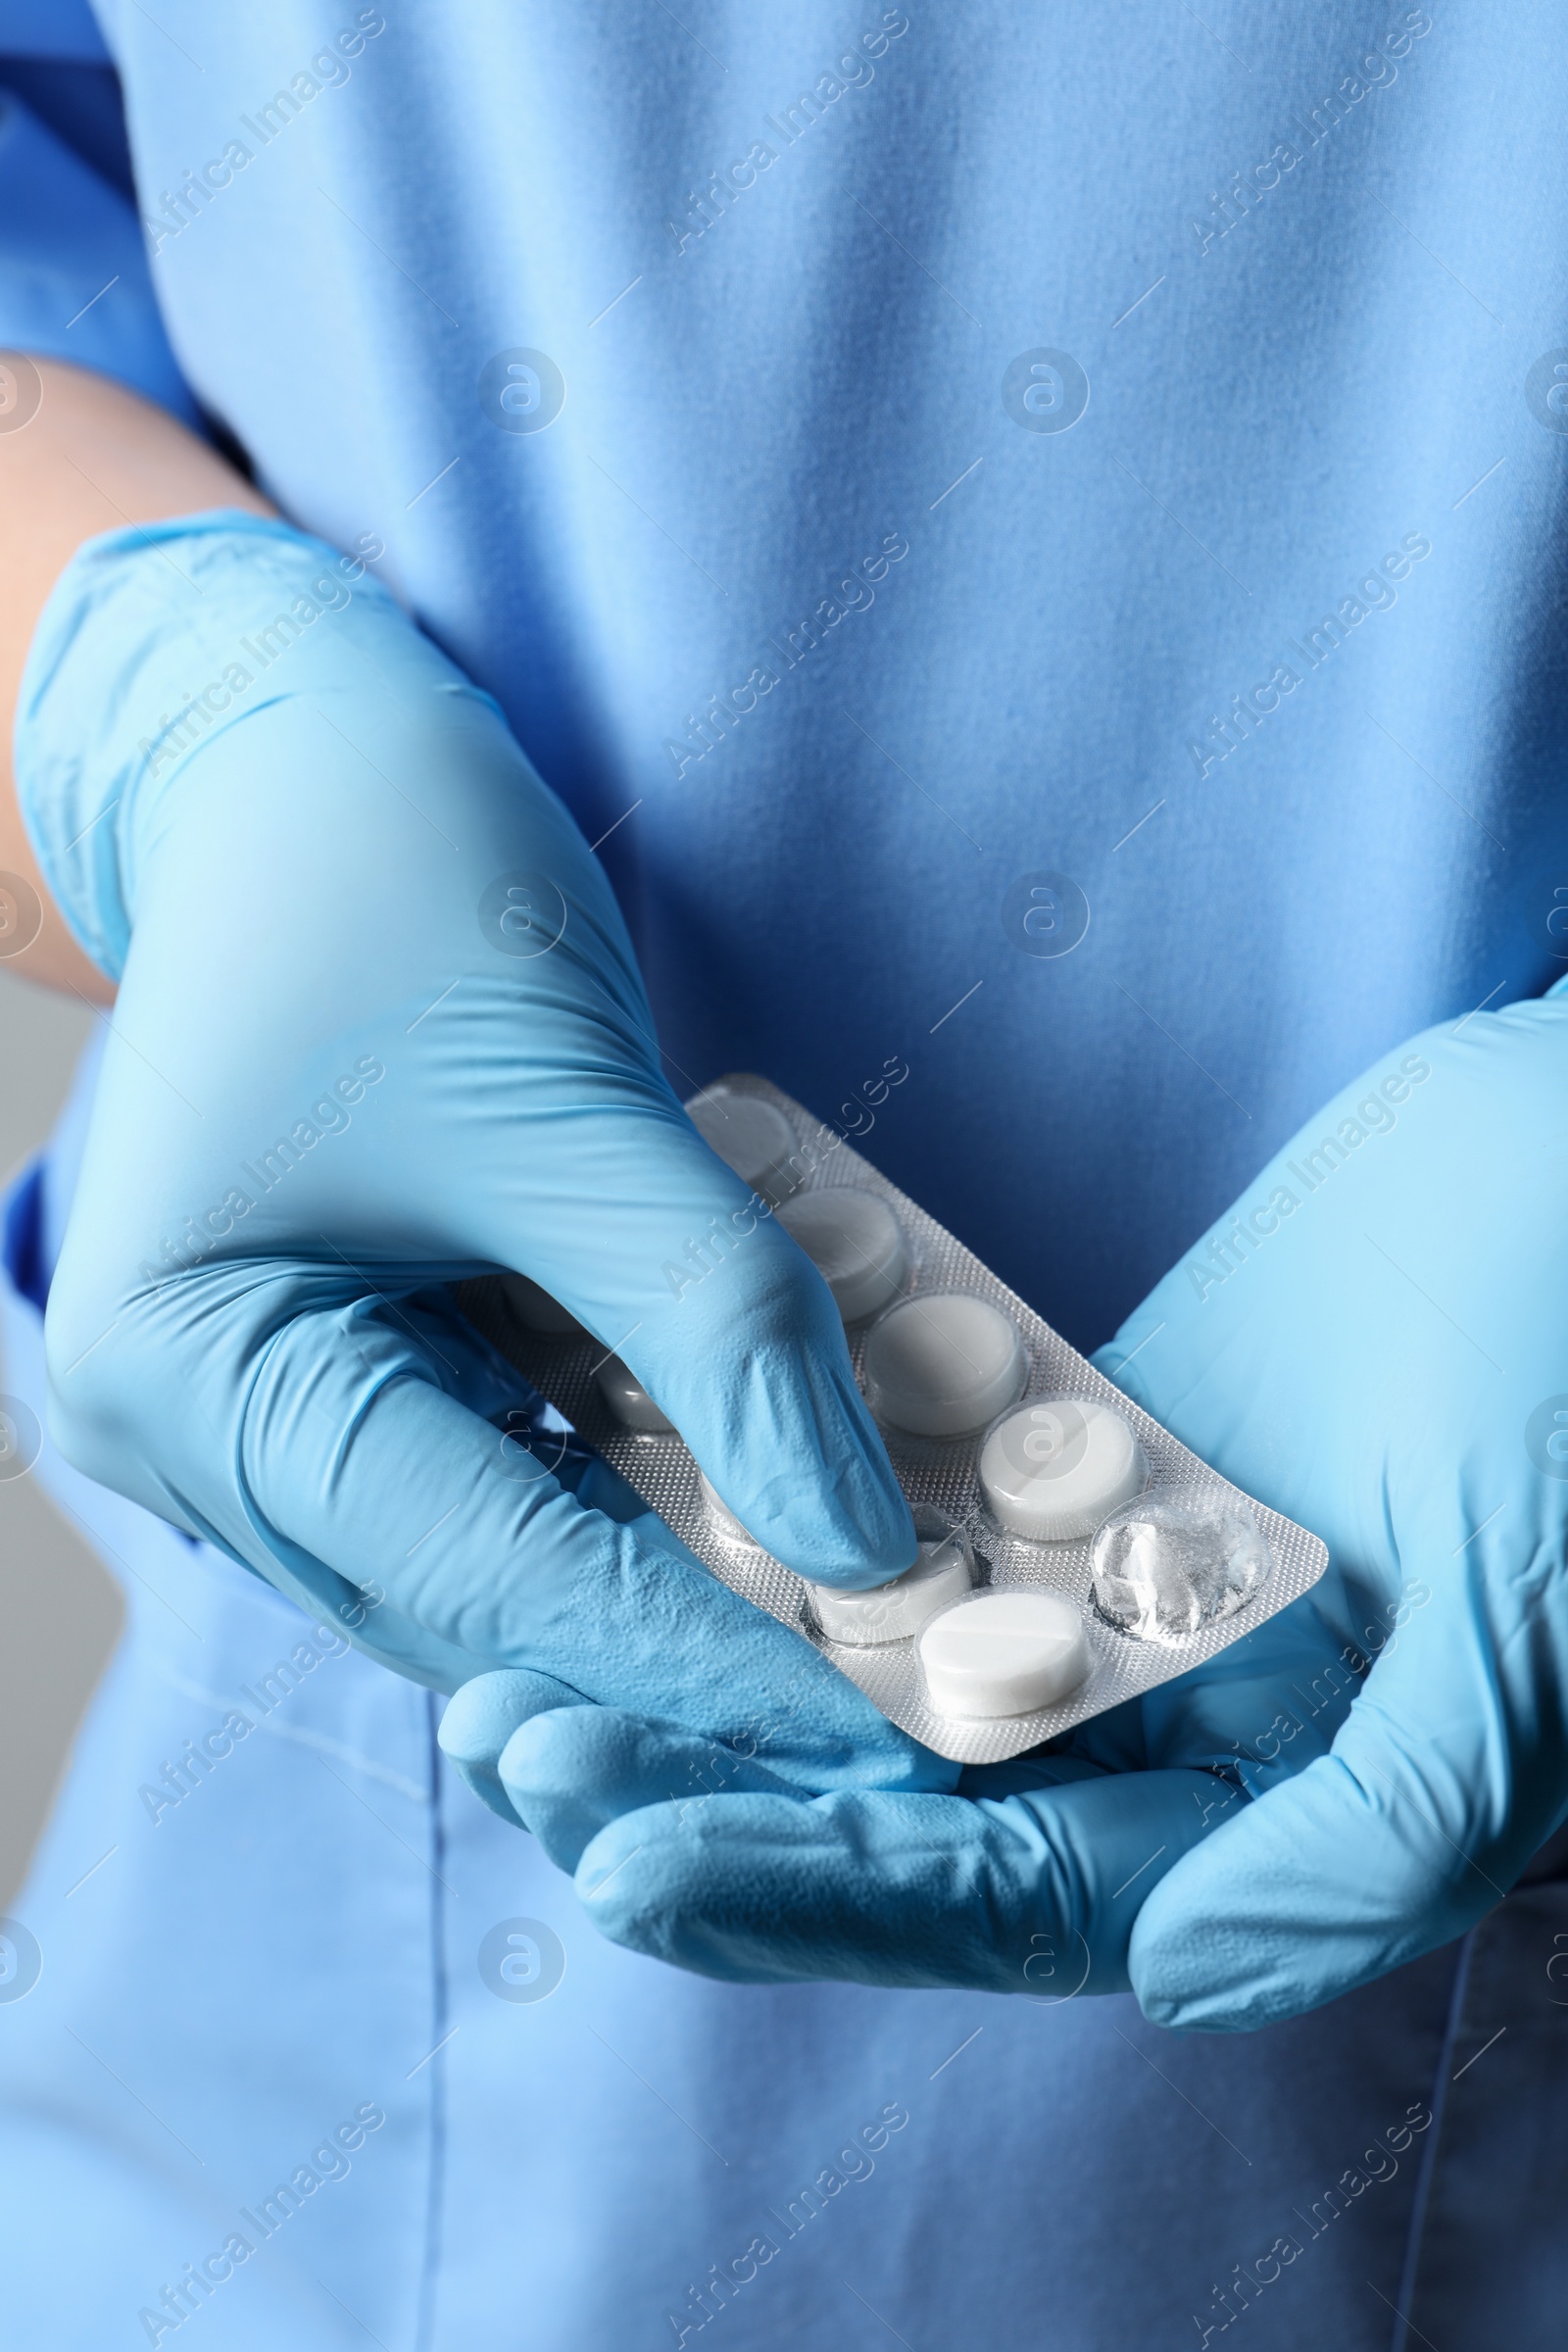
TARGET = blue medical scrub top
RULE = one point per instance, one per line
(1039, 538)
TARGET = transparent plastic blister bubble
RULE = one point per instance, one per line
(1073, 1553)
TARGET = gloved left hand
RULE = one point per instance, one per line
(1375, 1340)
(1027, 1880)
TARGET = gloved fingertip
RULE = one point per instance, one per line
(1190, 1979)
(483, 1715)
(482, 1781)
(871, 1563)
(836, 1515)
(572, 1773)
(782, 1434)
(1212, 2012)
(621, 1900)
(879, 1525)
(557, 1785)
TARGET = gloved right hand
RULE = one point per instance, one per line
(379, 1028)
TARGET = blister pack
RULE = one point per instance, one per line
(1073, 1553)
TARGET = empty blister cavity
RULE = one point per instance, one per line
(855, 1242)
(1003, 1652)
(536, 1310)
(943, 1572)
(1164, 1570)
(629, 1400)
(749, 1136)
(1054, 1470)
(944, 1364)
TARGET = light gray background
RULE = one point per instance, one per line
(60, 1611)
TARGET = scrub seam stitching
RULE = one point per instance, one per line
(1429, 2161)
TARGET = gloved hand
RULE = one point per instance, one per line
(1025, 1881)
(381, 1027)
(1376, 1342)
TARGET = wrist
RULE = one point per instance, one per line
(154, 643)
(93, 453)
(35, 940)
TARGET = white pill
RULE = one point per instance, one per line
(1056, 1470)
(892, 1611)
(944, 1364)
(536, 1310)
(749, 1136)
(1004, 1653)
(853, 1240)
(629, 1400)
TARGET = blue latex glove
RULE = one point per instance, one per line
(1375, 1342)
(381, 1027)
(1389, 1365)
(697, 1852)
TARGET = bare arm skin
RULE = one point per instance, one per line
(94, 457)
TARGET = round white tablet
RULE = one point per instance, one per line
(749, 1136)
(1004, 1652)
(943, 1364)
(1056, 1470)
(629, 1400)
(536, 1310)
(892, 1611)
(853, 1240)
